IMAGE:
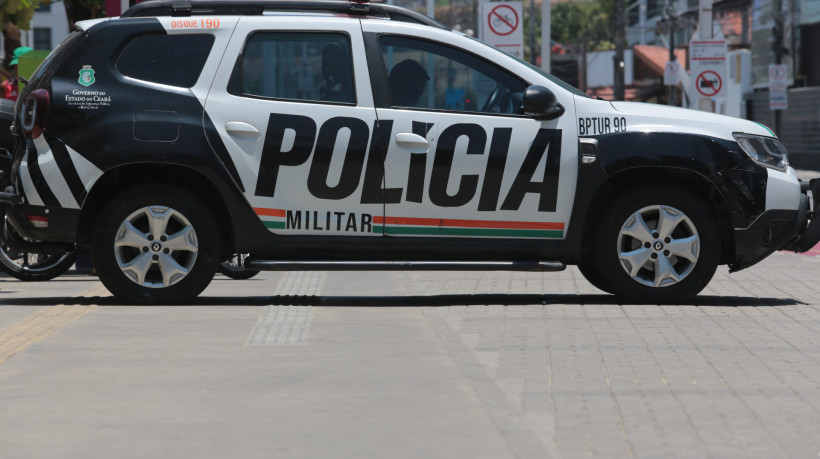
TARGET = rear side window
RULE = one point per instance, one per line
(174, 60)
(310, 66)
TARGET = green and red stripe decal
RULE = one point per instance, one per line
(272, 218)
(454, 227)
(405, 226)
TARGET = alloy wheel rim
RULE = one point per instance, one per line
(658, 246)
(156, 247)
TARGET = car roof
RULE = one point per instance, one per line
(363, 8)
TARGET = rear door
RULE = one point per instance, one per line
(293, 106)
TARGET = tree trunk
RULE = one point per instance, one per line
(11, 41)
(582, 83)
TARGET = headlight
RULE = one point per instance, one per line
(765, 150)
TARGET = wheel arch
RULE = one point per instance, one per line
(122, 178)
(687, 179)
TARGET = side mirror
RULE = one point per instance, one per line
(541, 103)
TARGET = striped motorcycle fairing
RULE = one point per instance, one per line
(53, 174)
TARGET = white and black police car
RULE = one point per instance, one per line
(335, 135)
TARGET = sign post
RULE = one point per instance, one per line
(708, 64)
(778, 87)
(501, 26)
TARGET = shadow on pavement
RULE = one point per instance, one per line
(407, 301)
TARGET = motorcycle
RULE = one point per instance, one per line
(234, 267)
(14, 260)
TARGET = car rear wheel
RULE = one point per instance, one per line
(658, 244)
(156, 244)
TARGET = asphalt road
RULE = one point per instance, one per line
(414, 364)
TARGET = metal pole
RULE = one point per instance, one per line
(705, 31)
(642, 20)
(705, 20)
(532, 32)
(546, 34)
(777, 47)
(620, 43)
(672, 56)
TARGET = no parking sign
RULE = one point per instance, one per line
(501, 26)
(707, 60)
(708, 83)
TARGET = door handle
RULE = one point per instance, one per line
(413, 142)
(239, 127)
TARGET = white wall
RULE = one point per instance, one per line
(601, 70)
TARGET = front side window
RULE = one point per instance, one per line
(427, 75)
(296, 66)
(174, 60)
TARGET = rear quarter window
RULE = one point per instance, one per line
(174, 60)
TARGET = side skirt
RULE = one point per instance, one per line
(267, 265)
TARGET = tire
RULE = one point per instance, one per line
(591, 274)
(235, 267)
(156, 244)
(33, 267)
(683, 245)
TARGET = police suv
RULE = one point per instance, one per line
(336, 135)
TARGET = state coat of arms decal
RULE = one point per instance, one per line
(86, 76)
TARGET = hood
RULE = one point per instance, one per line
(653, 117)
(602, 117)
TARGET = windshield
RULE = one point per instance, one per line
(540, 71)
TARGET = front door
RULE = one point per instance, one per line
(462, 160)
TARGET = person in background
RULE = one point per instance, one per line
(8, 89)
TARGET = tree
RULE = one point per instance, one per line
(15, 15)
(80, 10)
(583, 26)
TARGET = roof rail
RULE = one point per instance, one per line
(155, 8)
(181, 8)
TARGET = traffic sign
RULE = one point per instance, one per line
(707, 60)
(778, 87)
(708, 83)
(670, 73)
(777, 72)
(502, 28)
(503, 20)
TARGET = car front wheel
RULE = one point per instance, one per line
(658, 244)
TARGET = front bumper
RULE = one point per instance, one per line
(793, 230)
